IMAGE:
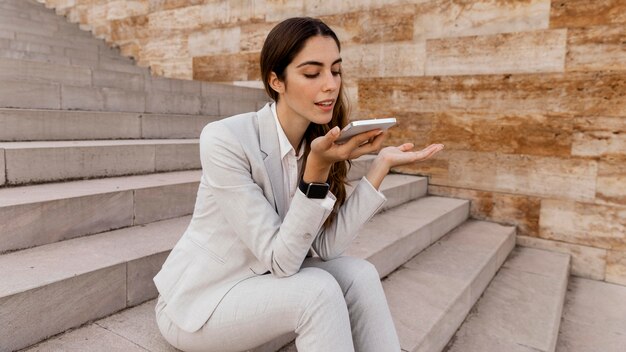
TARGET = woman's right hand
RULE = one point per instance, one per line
(325, 152)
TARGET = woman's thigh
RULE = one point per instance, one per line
(255, 311)
(346, 270)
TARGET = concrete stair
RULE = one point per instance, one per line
(521, 309)
(594, 317)
(64, 125)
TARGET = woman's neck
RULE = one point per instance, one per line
(293, 124)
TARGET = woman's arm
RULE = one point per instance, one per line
(365, 201)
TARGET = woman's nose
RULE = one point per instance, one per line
(330, 82)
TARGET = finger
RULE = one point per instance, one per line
(329, 138)
(428, 152)
(406, 147)
(361, 138)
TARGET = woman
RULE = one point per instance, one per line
(272, 188)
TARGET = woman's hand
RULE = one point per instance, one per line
(325, 152)
(390, 157)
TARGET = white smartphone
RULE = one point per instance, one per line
(356, 127)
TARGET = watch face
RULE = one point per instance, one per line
(317, 190)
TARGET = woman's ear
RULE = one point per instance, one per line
(276, 84)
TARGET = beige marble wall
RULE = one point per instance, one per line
(529, 96)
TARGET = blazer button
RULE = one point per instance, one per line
(307, 236)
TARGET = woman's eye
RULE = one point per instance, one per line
(313, 75)
(336, 73)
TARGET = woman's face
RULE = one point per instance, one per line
(312, 82)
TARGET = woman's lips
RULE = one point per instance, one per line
(326, 105)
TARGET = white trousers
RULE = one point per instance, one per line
(338, 305)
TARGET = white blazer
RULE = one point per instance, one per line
(236, 230)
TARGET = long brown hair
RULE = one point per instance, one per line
(281, 46)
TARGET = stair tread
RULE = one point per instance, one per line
(521, 308)
(38, 266)
(63, 190)
(94, 143)
(431, 294)
(594, 317)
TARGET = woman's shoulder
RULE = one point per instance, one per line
(233, 128)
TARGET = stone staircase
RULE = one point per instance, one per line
(98, 174)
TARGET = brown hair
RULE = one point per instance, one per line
(281, 46)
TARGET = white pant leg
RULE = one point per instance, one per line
(263, 308)
(372, 326)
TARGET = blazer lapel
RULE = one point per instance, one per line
(269, 146)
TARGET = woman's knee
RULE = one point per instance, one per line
(322, 286)
(359, 271)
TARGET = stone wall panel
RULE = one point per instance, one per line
(583, 13)
(278, 10)
(160, 5)
(124, 8)
(616, 267)
(388, 24)
(167, 48)
(523, 52)
(374, 60)
(587, 262)
(537, 134)
(130, 29)
(252, 36)
(576, 93)
(587, 224)
(456, 18)
(184, 18)
(597, 48)
(179, 68)
(611, 187)
(523, 174)
(227, 67)
(521, 211)
(215, 41)
(599, 136)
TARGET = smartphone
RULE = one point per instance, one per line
(356, 127)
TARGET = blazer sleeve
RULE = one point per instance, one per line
(280, 246)
(364, 202)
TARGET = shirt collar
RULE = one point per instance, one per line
(285, 146)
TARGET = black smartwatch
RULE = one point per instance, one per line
(314, 190)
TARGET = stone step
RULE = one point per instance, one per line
(34, 56)
(431, 294)
(23, 70)
(27, 26)
(37, 13)
(520, 311)
(17, 93)
(39, 162)
(70, 44)
(129, 78)
(74, 281)
(30, 95)
(594, 317)
(56, 125)
(108, 272)
(43, 214)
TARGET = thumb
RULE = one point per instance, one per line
(406, 147)
(331, 136)
(325, 142)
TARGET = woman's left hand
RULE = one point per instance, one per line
(389, 157)
(403, 154)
